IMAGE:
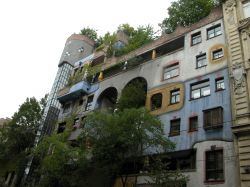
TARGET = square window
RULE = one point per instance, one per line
(220, 84)
(175, 127)
(156, 101)
(196, 38)
(193, 123)
(171, 71)
(201, 60)
(214, 165)
(213, 118)
(200, 89)
(214, 31)
(217, 54)
(175, 96)
(246, 9)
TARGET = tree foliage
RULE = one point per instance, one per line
(108, 142)
(89, 32)
(186, 12)
(17, 136)
(20, 132)
(137, 100)
(137, 37)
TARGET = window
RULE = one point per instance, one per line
(61, 127)
(76, 123)
(80, 102)
(220, 84)
(89, 102)
(213, 118)
(175, 96)
(214, 31)
(196, 38)
(246, 9)
(217, 54)
(175, 127)
(214, 165)
(171, 71)
(156, 101)
(66, 108)
(201, 60)
(200, 89)
(193, 123)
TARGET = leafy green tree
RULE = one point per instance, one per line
(127, 29)
(107, 42)
(137, 37)
(89, 32)
(17, 137)
(186, 12)
(22, 128)
(137, 100)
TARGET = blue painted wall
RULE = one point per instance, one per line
(221, 98)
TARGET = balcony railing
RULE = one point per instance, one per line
(75, 91)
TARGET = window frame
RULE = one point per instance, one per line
(245, 7)
(193, 37)
(169, 69)
(174, 132)
(220, 52)
(197, 125)
(209, 116)
(176, 97)
(152, 106)
(213, 28)
(216, 84)
(204, 59)
(199, 88)
(215, 164)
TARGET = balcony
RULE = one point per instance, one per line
(75, 91)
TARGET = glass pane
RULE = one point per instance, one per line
(246, 9)
(210, 33)
(178, 98)
(196, 94)
(205, 91)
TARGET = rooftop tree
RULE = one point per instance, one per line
(186, 12)
(89, 32)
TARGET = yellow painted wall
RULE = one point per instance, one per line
(165, 91)
(214, 48)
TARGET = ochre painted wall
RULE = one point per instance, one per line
(166, 105)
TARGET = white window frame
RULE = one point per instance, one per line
(175, 96)
(201, 60)
(220, 84)
(217, 54)
(171, 71)
(246, 9)
(196, 38)
(214, 31)
(200, 89)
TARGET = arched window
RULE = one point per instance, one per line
(156, 101)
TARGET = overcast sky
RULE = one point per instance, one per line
(33, 34)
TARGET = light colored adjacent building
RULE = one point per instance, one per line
(237, 29)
